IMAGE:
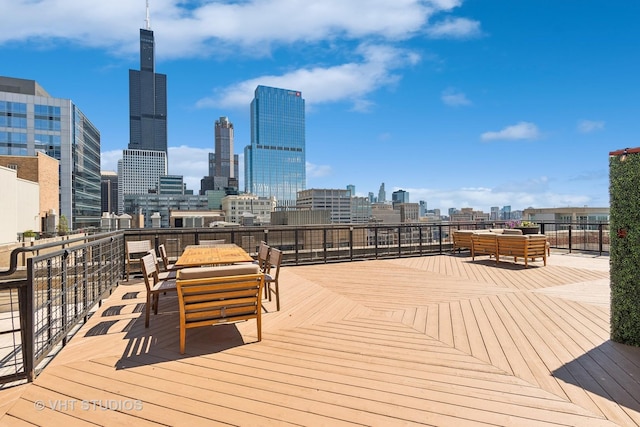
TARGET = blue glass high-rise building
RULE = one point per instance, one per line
(275, 160)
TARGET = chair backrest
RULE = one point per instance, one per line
(211, 300)
(275, 259)
(263, 255)
(211, 242)
(163, 254)
(137, 248)
(149, 271)
(156, 261)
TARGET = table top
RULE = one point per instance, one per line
(198, 255)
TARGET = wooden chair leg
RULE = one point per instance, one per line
(259, 325)
(147, 309)
(156, 301)
(182, 339)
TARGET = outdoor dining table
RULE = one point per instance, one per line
(200, 255)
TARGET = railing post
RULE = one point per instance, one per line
(375, 235)
(324, 243)
(49, 296)
(63, 292)
(600, 238)
(297, 246)
(27, 334)
(570, 236)
(351, 243)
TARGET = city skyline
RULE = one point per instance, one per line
(459, 103)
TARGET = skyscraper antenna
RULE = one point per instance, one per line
(148, 20)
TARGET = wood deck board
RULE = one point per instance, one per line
(508, 342)
(307, 390)
(492, 345)
(162, 401)
(317, 376)
(435, 340)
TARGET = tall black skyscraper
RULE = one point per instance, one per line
(147, 99)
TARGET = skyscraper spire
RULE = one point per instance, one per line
(148, 20)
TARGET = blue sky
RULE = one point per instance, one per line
(462, 103)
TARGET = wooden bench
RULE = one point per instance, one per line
(529, 246)
(484, 244)
(462, 238)
(212, 295)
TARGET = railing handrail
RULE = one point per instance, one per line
(13, 263)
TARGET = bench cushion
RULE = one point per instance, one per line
(512, 231)
(219, 271)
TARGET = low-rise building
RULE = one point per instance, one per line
(567, 214)
(384, 213)
(235, 206)
(44, 170)
(20, 205)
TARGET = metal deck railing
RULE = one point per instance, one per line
(64, 282)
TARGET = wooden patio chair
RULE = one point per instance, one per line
(272, 272)
(261, 258)
(154, 286)
(162, 275)
(167, 266)
(212, 300)
(135, 250)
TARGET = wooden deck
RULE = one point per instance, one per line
(437, 340)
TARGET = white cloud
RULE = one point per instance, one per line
(588, 126)
(109, 160)
(203, 28)
(454, 98)
(317, 171)
(192, 163)
(455, 28)
(522, 130)
(350, 81)
(200, 29)
(483, 198)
